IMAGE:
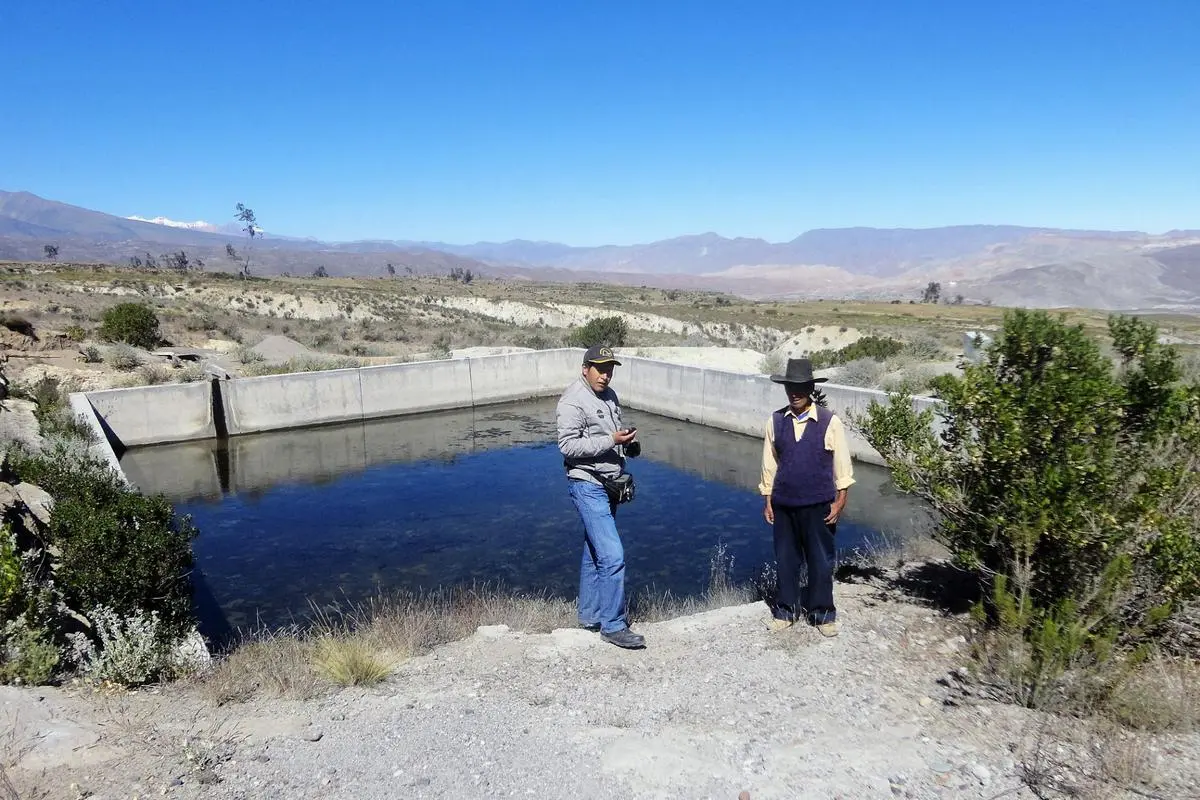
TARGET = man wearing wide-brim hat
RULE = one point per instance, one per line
(806, 474)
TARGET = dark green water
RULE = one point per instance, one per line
(340, 513)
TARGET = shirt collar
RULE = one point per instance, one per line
(810, 413)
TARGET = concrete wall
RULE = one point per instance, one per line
(273, 402)
(726, 400)
(734, 401)
(278, 402)
(174, 412)
(101, 448)
(518, 376)
(412, 388)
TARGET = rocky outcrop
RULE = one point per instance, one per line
(25, 505)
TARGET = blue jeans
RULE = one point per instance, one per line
(602, 574)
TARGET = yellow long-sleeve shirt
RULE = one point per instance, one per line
(835, 442)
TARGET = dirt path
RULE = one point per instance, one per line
(714, 707)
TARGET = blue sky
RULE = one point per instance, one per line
(607, 122)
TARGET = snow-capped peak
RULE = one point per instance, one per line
(198, 225)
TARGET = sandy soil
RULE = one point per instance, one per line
(716, 705)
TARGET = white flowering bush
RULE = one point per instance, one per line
(134, 649)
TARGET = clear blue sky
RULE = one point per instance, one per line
(607, 122)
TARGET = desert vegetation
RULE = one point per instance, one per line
(94, 575)
(73, 313)
(1068, 486)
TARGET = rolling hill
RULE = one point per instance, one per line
(1003, 264)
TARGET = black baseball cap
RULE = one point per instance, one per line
(599, 354)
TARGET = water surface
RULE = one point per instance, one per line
(339, 513)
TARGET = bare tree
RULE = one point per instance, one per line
(250, 226)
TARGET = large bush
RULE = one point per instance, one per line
(132, 323)
(606, 331)
(1068, 484)
(115, 546)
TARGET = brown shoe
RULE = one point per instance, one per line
(774, 625)
(829, 629)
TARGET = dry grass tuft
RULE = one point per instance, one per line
(1089, 759)
(350, 662)
(360, 643)
(265, 664)
(1162, 694)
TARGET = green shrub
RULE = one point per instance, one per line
(772, 364)
(154, 374)
(53, 412)
(606, 331)
(191, 373)
(10, 575)
(878, 348)
(124, 357)
(27, 655)
(247, 355)
(535, 341)
(76, 333)
(132, 323)
(864, 372)
(117, 547)
(91, 355)
(1069, 486)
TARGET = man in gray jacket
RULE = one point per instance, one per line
(594, 445)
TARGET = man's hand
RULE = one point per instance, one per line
(768, 512)
(624, 436)
(836, 508)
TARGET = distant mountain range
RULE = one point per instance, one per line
(1003, 264)
(199, 224)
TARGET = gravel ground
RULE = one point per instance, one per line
(714, 707)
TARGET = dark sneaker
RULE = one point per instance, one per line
(625, 638)
(594, 627)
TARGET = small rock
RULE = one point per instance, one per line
(743, 795)
(980, 773)
(8, 497)
(926, 702)
(941, 767)
(206, 777)
(491, 631)
(313, 735)
(36, 500)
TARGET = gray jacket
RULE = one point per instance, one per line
(586, 424)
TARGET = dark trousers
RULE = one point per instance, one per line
(801, 533)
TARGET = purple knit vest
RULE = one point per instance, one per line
(805, 474)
